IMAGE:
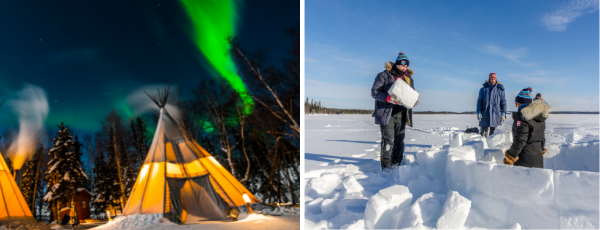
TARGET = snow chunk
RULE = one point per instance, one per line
(382, 205)
(325, 184)
(351, 185)
(359, 224)
(456, 139)
(573, 137)
(400, 90)
(455, 211)
(495, 140)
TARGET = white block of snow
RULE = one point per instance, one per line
(494, 155)
(400, 90)
(408, 217)
(351, 185)
(573, 137)
(577, 190)
(431, 205)
(384, 204)
(434, 161)
(421, 185)
(455, 212)
(492, 207)
(325, 184)
(534, 215)
(479, 147)
(494, 140)
(330, 205)
(456, 139)
(521, 184)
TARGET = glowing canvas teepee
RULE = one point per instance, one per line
(12, 203)
(181, 180)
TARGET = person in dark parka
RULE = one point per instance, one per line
(528, 128)
(389, 114)
(491, 105)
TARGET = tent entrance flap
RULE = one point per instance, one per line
(208, 205)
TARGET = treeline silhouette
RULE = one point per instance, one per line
(314, 107)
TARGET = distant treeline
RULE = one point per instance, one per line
(314, 107)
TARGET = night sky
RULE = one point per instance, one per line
(89, 55)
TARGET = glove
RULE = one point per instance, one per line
(543, 151)
(509, 159)
(393, 100)
(479, 116)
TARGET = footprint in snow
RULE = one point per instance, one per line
(370, 150)
(359, 155)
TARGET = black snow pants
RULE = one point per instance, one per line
(392, 141)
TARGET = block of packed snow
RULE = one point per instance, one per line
(493, 155)
(408, 217)
(460, 176)
(402, 92)
(330, 205)
(430, 205)
(409, 172)
(516, 226)
(534, 215)
(578, 219)
(456, 139)
(434, 161)
(521, 184)
(325, 184)
(575, 155)
(466, 152)
(492, 207)
(577, 190)
(359, 224)
(494, 140)
(483, 176)
(573, 137)
(454, 212)
(591, 163)
(351, 185)
(355, 204)
(479, 220)
(421, 185)
(508, 137)
(479, 147)
(384, 204)
(595, 147)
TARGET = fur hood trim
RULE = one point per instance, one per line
(389, 65)
(536, 108)
(497, 82)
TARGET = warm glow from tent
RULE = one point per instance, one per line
(246, 198)
(144, 171)
(18, 159)
(173, 169)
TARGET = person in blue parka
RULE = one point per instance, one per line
(491, 105)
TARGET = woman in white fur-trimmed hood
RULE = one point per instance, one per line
(528, 128)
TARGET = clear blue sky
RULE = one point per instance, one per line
(550, 46)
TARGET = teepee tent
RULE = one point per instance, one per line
(12, 203)
(181, 180)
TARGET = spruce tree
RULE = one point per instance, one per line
(102, 186)
(30, 180)
(65, 175)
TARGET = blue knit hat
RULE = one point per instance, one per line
(402, 59)
(524, 96)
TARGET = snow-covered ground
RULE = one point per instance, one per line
(445, 182)
(280, 218)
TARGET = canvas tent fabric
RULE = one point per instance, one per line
(12, 203)
(182, 180)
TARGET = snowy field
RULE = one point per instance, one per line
(280, 218)
(449, 179)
